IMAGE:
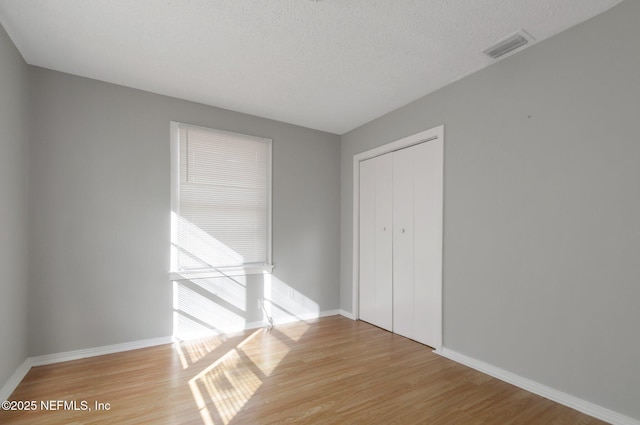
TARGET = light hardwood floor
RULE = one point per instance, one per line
(327, 371)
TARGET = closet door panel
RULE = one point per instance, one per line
(384, 242)
(427, 243)
(403, 261)
(367, 284)
(376, 255)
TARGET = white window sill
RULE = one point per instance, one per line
(222, 272)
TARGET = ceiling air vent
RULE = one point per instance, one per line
(508, 45)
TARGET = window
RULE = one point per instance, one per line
(220, 200)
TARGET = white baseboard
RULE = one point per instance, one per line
(307, 316)
(347, 314)
(328, 313)
(278, 320)
(98, 351)
(576, 403)
(14, 380)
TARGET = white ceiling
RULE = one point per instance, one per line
(331, 65)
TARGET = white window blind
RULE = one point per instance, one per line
(222, 211)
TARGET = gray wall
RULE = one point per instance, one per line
(99, 209)
(13, 208)
(542, 207)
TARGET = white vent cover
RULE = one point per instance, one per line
(509, 44)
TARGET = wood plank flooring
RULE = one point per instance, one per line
(327, 371)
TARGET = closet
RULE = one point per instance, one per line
(400, 241)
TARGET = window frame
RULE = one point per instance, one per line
(236, 270)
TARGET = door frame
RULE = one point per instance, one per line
(433, 135)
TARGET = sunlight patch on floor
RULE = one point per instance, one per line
(222, 389)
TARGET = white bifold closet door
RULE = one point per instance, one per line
(376, 253)
(403, 240)
(416, 244)
(399, 269)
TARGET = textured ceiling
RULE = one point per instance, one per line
(331, 65)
